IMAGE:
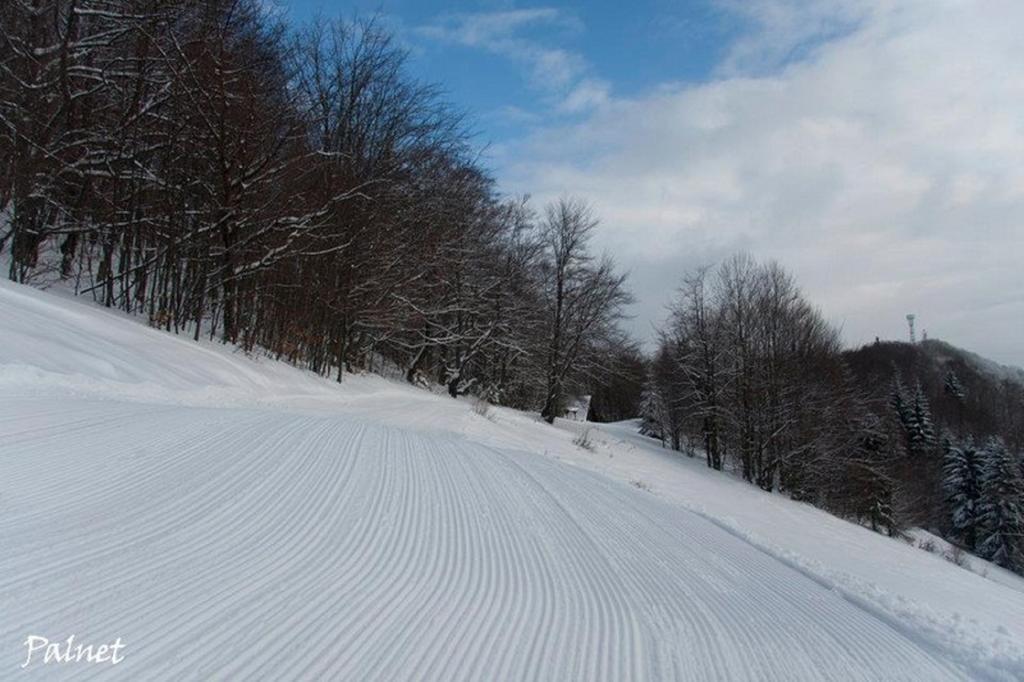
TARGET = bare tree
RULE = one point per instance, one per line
(695, 340)
(754, 367)
(584, 298)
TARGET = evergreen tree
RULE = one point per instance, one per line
(898, 399)
(872, 476)
(652, 410)
(918, 424)
(1001, 538)
(963, 474)
(915, 416)
(953, 388)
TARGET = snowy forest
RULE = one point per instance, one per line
(750, 376)
(205, 165)
(295, 190)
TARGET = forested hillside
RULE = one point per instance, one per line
(963, 421)
(751, 377)
(967, 395)
(226, 174)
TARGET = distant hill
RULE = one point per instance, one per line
(994, 393)
(953, 356)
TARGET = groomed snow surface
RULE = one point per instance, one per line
(230, 517)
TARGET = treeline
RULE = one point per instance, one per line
(204, 164)
(749, 376)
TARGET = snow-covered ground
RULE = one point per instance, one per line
(230, 517)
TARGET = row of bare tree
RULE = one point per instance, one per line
(200, 162)
(749, 373)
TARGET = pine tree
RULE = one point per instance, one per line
(962, 482)
(954, 389)
(952, 386)
(1002, 508)
(918, 423)
(652, 410)
(875, 483)
(915, 417)
(898, 399)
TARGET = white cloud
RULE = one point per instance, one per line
(783, 31)
(878, 156)
(588, 94)
(501, 33)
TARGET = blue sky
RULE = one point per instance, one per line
(872, 147)
(625, 47)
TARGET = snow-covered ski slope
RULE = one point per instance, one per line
(236, 518)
